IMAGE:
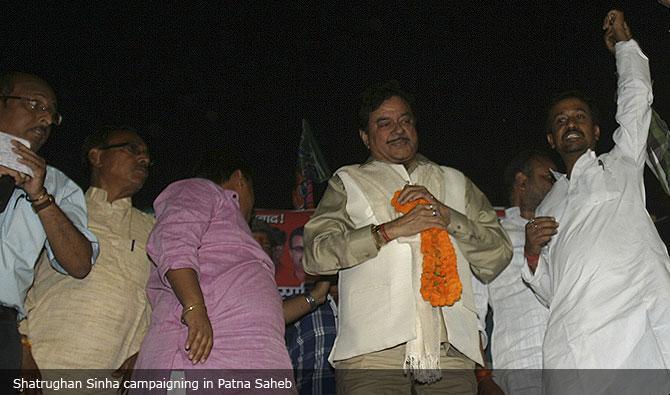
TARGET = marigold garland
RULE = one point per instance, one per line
(440, 284)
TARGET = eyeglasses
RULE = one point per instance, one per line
(37, 107)
(388, 124)
(131, 147)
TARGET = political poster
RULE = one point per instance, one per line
(286, 242)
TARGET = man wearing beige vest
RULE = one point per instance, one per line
(412, 345)
(81, 329)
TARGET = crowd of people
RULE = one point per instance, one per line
(575, 273)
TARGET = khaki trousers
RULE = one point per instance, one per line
(381, 372)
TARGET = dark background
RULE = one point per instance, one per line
(196, 75)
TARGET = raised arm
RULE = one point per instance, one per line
(70, 247)
(634, 93)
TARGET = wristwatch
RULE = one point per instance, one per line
(48, 202)
(312, 302)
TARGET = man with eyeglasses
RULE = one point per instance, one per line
(310, 319)
(310, 336)
(296, 252)
(111, 304)
(46, 208)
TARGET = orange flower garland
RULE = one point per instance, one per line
(440, 284)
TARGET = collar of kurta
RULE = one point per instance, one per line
(100, 196)
(587, 159)
(418, 159)
(231, 194)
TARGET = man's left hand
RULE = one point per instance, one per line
(320, 291)
(33, 186)
(125, 372)
(200, 335)
(414, 192)
(616, 29)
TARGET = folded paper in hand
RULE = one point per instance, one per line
(8, 158)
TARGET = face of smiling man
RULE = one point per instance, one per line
(572, 128)
(391, 135)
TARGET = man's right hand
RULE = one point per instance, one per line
(29, 370)
(125, 372)
(32, 185)
(539, 231)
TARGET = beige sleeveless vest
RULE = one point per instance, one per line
(377, 302)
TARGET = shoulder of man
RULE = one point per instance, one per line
(147, 218)
(347, 167)
(193, 184)
(449, 171)
(453, 174)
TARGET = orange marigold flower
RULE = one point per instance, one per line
(440, 284)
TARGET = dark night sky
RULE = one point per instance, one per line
(194, 76)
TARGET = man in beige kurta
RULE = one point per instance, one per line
(384, 321)
(98, 322)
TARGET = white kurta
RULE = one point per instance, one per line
(606, 274)
(519, 319)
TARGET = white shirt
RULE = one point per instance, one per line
(519, 319)
(606, 274)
